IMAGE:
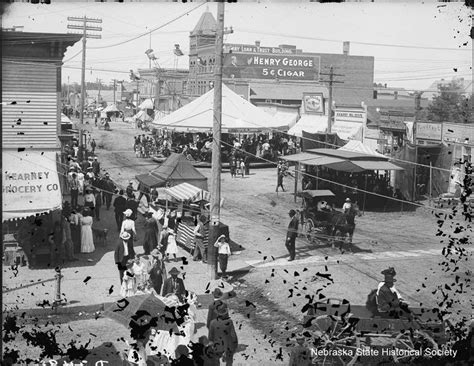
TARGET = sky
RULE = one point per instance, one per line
(413, 44)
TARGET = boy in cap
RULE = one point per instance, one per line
(291, 235)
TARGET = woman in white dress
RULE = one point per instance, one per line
(172, 247)
(87, 239)
(128, 225)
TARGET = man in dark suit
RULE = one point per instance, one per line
(123, 253)
(291, 235)
(120, 205)
(174, 285)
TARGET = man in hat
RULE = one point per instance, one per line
(96, 166)
(222, 334)
(132, 204)
(74, 184)
(212, 312)
(93, 143)
(109, 187)
(389, 302)
(123, 253)
(157, 270)
(174, 285)
(223, 253)
(347, 206)
(291, 235)
(129, 190)
(120, 205)
(199, 250)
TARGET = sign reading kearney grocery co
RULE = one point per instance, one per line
(271, 66)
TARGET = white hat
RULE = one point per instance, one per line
(128, 212)
(125, 236)
(348, 199)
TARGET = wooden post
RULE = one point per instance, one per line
(431, 182)
(297, 168)
(216, 148)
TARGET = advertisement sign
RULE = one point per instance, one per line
(313, 103)
(270, 66)
(429, 131)
(349, 123)
(257, 49)
(350, 115)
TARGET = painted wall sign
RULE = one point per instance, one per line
(258, 66)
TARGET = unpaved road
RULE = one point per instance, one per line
(257, 217)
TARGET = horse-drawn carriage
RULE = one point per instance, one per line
(346, 334)
(321, 221)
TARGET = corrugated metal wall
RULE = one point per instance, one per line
(31, 122)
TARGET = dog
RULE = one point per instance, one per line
(100, 236)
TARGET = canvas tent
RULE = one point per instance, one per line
(142, 116)
(175, 169)
(309, 123)
(111, 108)
(146, 104)
(357, 146)
(238, 115)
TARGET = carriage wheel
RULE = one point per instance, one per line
(334, 345)
(309, 228)
(407, 342)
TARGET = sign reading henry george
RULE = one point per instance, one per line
(30, 184)
(270, 66)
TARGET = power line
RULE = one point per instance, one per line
(153, 30)
(354, 42)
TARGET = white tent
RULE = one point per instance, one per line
(111, 108)
(65, 119)
(147, 104)
(357, 146)
(142, 116)
(311, 123)
(238, 115)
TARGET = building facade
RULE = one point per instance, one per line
(31, 121)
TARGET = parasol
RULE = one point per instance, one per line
(125, 310)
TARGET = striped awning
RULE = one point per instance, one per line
(186, 192)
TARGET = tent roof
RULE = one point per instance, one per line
(111, 108)
(238, 115)
(357, 146)
(147, 104)
(310, 123)
(176, 166)
(187, 192)
(150, 180)
(206, 25)
(345, 154)
(143, 116)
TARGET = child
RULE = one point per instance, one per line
(129, 285)
(242, 167)
(139, 272)
(223, 253)
(172, 247)
(300, 354)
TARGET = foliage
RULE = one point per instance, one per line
(451, 105)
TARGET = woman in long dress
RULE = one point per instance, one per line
(87, 239)
(128, 225)
(150, 241)
(172, 247)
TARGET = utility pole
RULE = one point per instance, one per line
(331, 81)
(216, 147)
(84, 27)
(99, 83)
(417, 116)
(114, 89)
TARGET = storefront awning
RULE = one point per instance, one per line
(298, 157)
(346, 130)
(377, 165)
(30, 184)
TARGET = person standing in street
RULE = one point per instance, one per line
(74, 190)
(149, 241)
(291, 235)
(128, 225)
(123, 252)
(109, 188)
(67, 237)
(211, 311)
(96, 166)
(93, 144)
(157, 271)
(281, 174)
(174, 285)
(223, 254)
(199, 250)
(87, 239)
(222, 334)
(98, 204)
(120, 204)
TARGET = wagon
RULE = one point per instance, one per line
(346, 334)
(315, 220)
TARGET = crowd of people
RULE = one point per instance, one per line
(146, 146)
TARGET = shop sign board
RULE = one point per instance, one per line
(350, 115)
(429, 131)
(456, 132)
(271, 66)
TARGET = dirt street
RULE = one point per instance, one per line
(257, 216)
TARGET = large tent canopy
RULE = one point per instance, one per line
(142, 116)
(176, 169)
(238, 115)
(357, 146)
(111, 108)
(147, 104)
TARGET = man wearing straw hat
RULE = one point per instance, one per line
(123, 253)
(222, 334)
(174, 285)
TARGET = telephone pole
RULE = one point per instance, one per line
(415, 121)
(216, 147)
(331, 81)
(84, 27)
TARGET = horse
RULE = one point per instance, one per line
(344, 223)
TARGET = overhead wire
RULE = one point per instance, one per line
(151, 31)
